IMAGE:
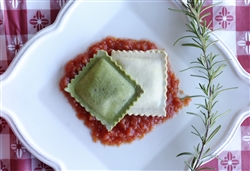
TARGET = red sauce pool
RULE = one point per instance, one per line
(130, 127)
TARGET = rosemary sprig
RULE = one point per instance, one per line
(209, 68)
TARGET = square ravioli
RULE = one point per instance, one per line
(104, 89)
(149, 69)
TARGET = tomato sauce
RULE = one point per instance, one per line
(130, 127)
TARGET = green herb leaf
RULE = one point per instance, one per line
(208, 69)
(213, 133)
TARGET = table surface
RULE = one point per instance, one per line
(21, 19)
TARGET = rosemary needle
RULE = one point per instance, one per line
(209, 69)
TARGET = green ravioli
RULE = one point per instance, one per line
(104, 89)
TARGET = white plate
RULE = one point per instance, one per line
(46, 123)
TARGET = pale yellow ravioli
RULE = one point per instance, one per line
(149, 69)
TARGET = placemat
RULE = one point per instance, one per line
(21, 19)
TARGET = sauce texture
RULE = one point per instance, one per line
(130, 127)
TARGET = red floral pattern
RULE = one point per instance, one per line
(39, 21)
(229, 162)
(245, 43)
(61, 2)
(15, 45)
(18, 148)
(247, 2)
(3, 123)
(43, 167)
(15, 3)
(245, 138)
(2, 166)
(224, 18)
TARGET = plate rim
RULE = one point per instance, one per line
(54, 26)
